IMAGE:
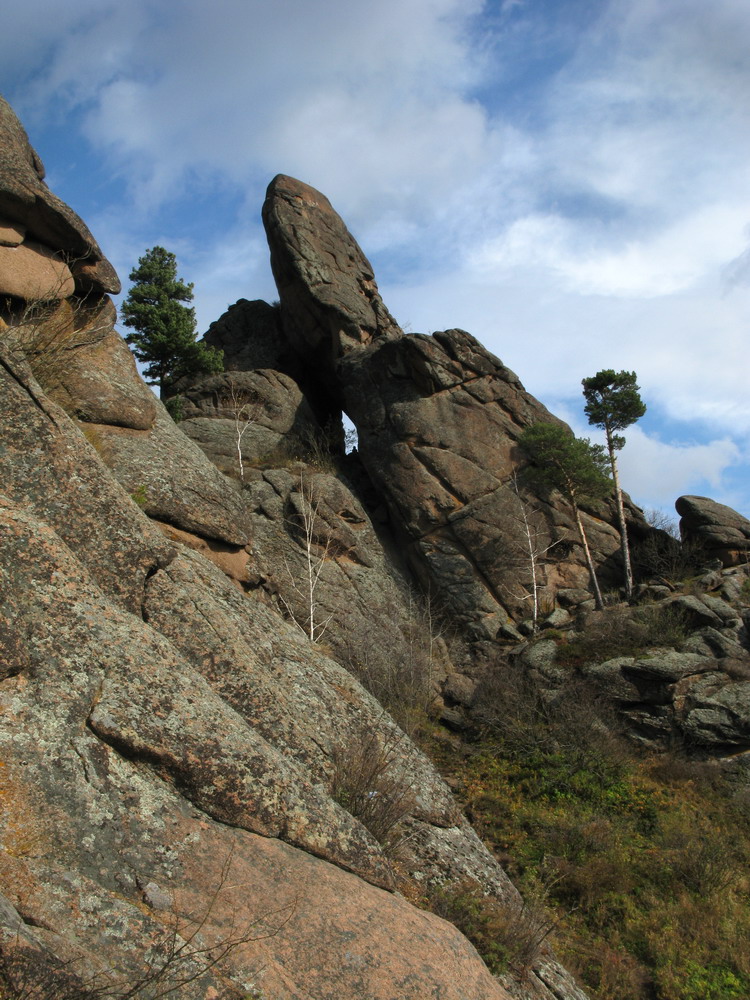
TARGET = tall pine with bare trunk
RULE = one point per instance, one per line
(613, 403)
(574, 467)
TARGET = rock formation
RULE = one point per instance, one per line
(174, 795)
(437, 419)
(720, 531)
(187, 610)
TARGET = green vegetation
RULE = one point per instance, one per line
(645, 863)
(139, 495)
(622, 632)
(613, 403)
(165, 328)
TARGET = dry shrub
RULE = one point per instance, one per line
(623, 631)
(369, 782)
(610, 970)
(661, 555)
(46, 330)
(507, 934)
(520, 719)
(401, 673)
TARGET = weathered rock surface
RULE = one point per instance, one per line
(172, 479)
(249, 415)
(438, 418)
(169, 742)
(721, 531)
(26, 200)
(50, 468)
(329, 297)
(32, 271)
(85, 365)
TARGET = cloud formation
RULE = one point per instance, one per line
(568, 181)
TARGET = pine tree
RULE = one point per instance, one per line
(165, 327)
(575, 467)
(613, 403)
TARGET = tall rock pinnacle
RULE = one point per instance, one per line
(331, 303)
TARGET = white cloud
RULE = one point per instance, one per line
(658, 472)
(670, 261)
(581, 210)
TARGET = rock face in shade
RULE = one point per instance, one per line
(330, 300)
(438, 418)
(250, 336)
(721, 531)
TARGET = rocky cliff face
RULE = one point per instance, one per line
(197, 792)
(437, 417)
(186, 778)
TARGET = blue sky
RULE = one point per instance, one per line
(566, 180)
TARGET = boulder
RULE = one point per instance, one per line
(26, 200)
(250, 336)
(720, 531)
(247, 415)
(11, 233)
(714, 711)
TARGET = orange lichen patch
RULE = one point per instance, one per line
(17, 882)
(230, 559)
(24, 831)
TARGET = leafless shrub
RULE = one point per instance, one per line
(662, 553)
(369, 782)
(507, 934)
(304, 612)
(401, 673)
(527, 542)
(244, 405)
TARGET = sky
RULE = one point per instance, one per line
(568, 180)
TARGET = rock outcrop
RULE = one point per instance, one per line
(54, 252)
(720, 531)
(677, 669)
(176, 756)
(437, 417)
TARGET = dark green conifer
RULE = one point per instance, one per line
(165, 328)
